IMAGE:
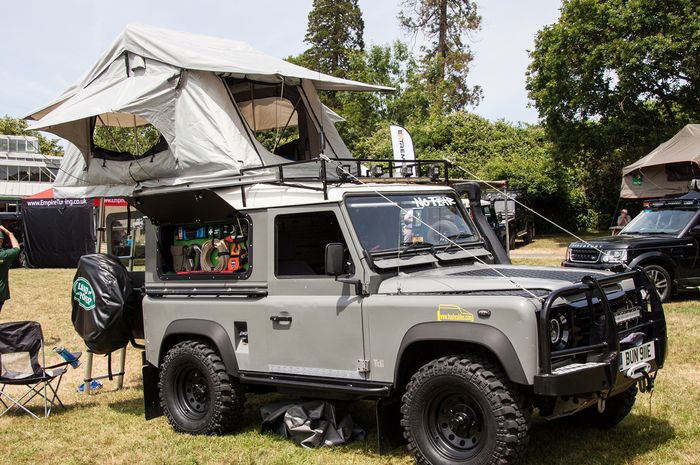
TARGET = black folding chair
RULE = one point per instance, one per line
(21, 344)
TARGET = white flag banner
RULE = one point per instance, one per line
(402, 144)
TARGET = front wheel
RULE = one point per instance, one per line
(196, 393)
(661, 280)
(463, 410)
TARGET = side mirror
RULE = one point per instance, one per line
(334, 258)
(695, 230)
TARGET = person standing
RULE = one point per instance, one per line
(7, 258)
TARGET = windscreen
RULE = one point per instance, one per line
(401, 220)
(659, 222)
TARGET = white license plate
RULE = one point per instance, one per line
(635, 355)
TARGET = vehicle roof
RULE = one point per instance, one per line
(284, 195)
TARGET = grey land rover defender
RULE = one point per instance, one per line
(339, 287)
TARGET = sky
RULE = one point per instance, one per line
(47, 45)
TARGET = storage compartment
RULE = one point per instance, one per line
(199, 235)
(216, 249)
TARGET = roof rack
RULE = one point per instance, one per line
(317, 170)
(354, 170)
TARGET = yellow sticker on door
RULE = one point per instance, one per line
(450, 312)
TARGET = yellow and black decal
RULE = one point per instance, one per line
(451, 312)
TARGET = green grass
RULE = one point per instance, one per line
(108, 426)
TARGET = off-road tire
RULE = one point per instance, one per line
(446, 394)
(616, 409)
(527, 238)
(196, 393)
(658, 273)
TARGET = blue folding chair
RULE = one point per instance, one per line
(21, 345)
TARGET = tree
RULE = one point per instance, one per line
(10, 126)
(335, 30)
(612, 79)
(446, 60)
(127, 140)
(366, 112)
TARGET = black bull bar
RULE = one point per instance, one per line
(601, 372)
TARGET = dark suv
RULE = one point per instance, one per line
(663, 239)
(521, 223)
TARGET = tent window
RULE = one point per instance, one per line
(682, 171)
(117, 138)
(278, 117)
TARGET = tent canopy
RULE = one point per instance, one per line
(667, 169)
(208, 97)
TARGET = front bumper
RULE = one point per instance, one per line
(594, 365)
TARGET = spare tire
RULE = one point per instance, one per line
(107, 311)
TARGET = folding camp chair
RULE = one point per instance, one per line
(21, 344)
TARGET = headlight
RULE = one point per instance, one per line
(615, 256)
(558, 332)
(568, 254)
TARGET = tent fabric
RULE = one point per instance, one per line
(648, 176)
(57, 232)
(179, 83)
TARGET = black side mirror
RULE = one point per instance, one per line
(334, 258)
(695, 230)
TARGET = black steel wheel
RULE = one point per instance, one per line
(661, 280)
(196, 393)
(463, 410)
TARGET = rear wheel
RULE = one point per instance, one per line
(463, 410)
(196, 393)
(661, 280)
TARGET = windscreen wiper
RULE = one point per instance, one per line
(409, 246)
(455, 237)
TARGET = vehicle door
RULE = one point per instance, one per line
(692, 253)
(315, 326)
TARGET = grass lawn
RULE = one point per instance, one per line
(108, 426)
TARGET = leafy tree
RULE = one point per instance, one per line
(612, 79)
(335, 30)
(365, 112)
(446, 60)
(18, 127)
(122, 139)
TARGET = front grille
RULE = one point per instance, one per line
(586, 255)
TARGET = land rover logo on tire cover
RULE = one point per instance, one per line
(83, 294)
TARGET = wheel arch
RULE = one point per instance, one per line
(656, 258)
(185, 329)
(426, 341)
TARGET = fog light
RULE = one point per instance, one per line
(406, 171)
(434, 173)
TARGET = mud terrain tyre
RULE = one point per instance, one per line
(462, 409)
(196, 393)
(616, 409)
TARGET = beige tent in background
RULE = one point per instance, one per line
(667, 170)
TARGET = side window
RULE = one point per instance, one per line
(300, 243)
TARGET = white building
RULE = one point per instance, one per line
(24, 170)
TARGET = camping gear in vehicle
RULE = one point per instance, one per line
(107, 311)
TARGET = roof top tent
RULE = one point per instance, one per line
(666, 170)
(210, 99)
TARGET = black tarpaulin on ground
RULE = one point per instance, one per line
(57, 232)
(311, 424)
(107, 310)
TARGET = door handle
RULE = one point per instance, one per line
(280, 318)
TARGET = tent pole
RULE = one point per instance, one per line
(505, 194)
(100, 230)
